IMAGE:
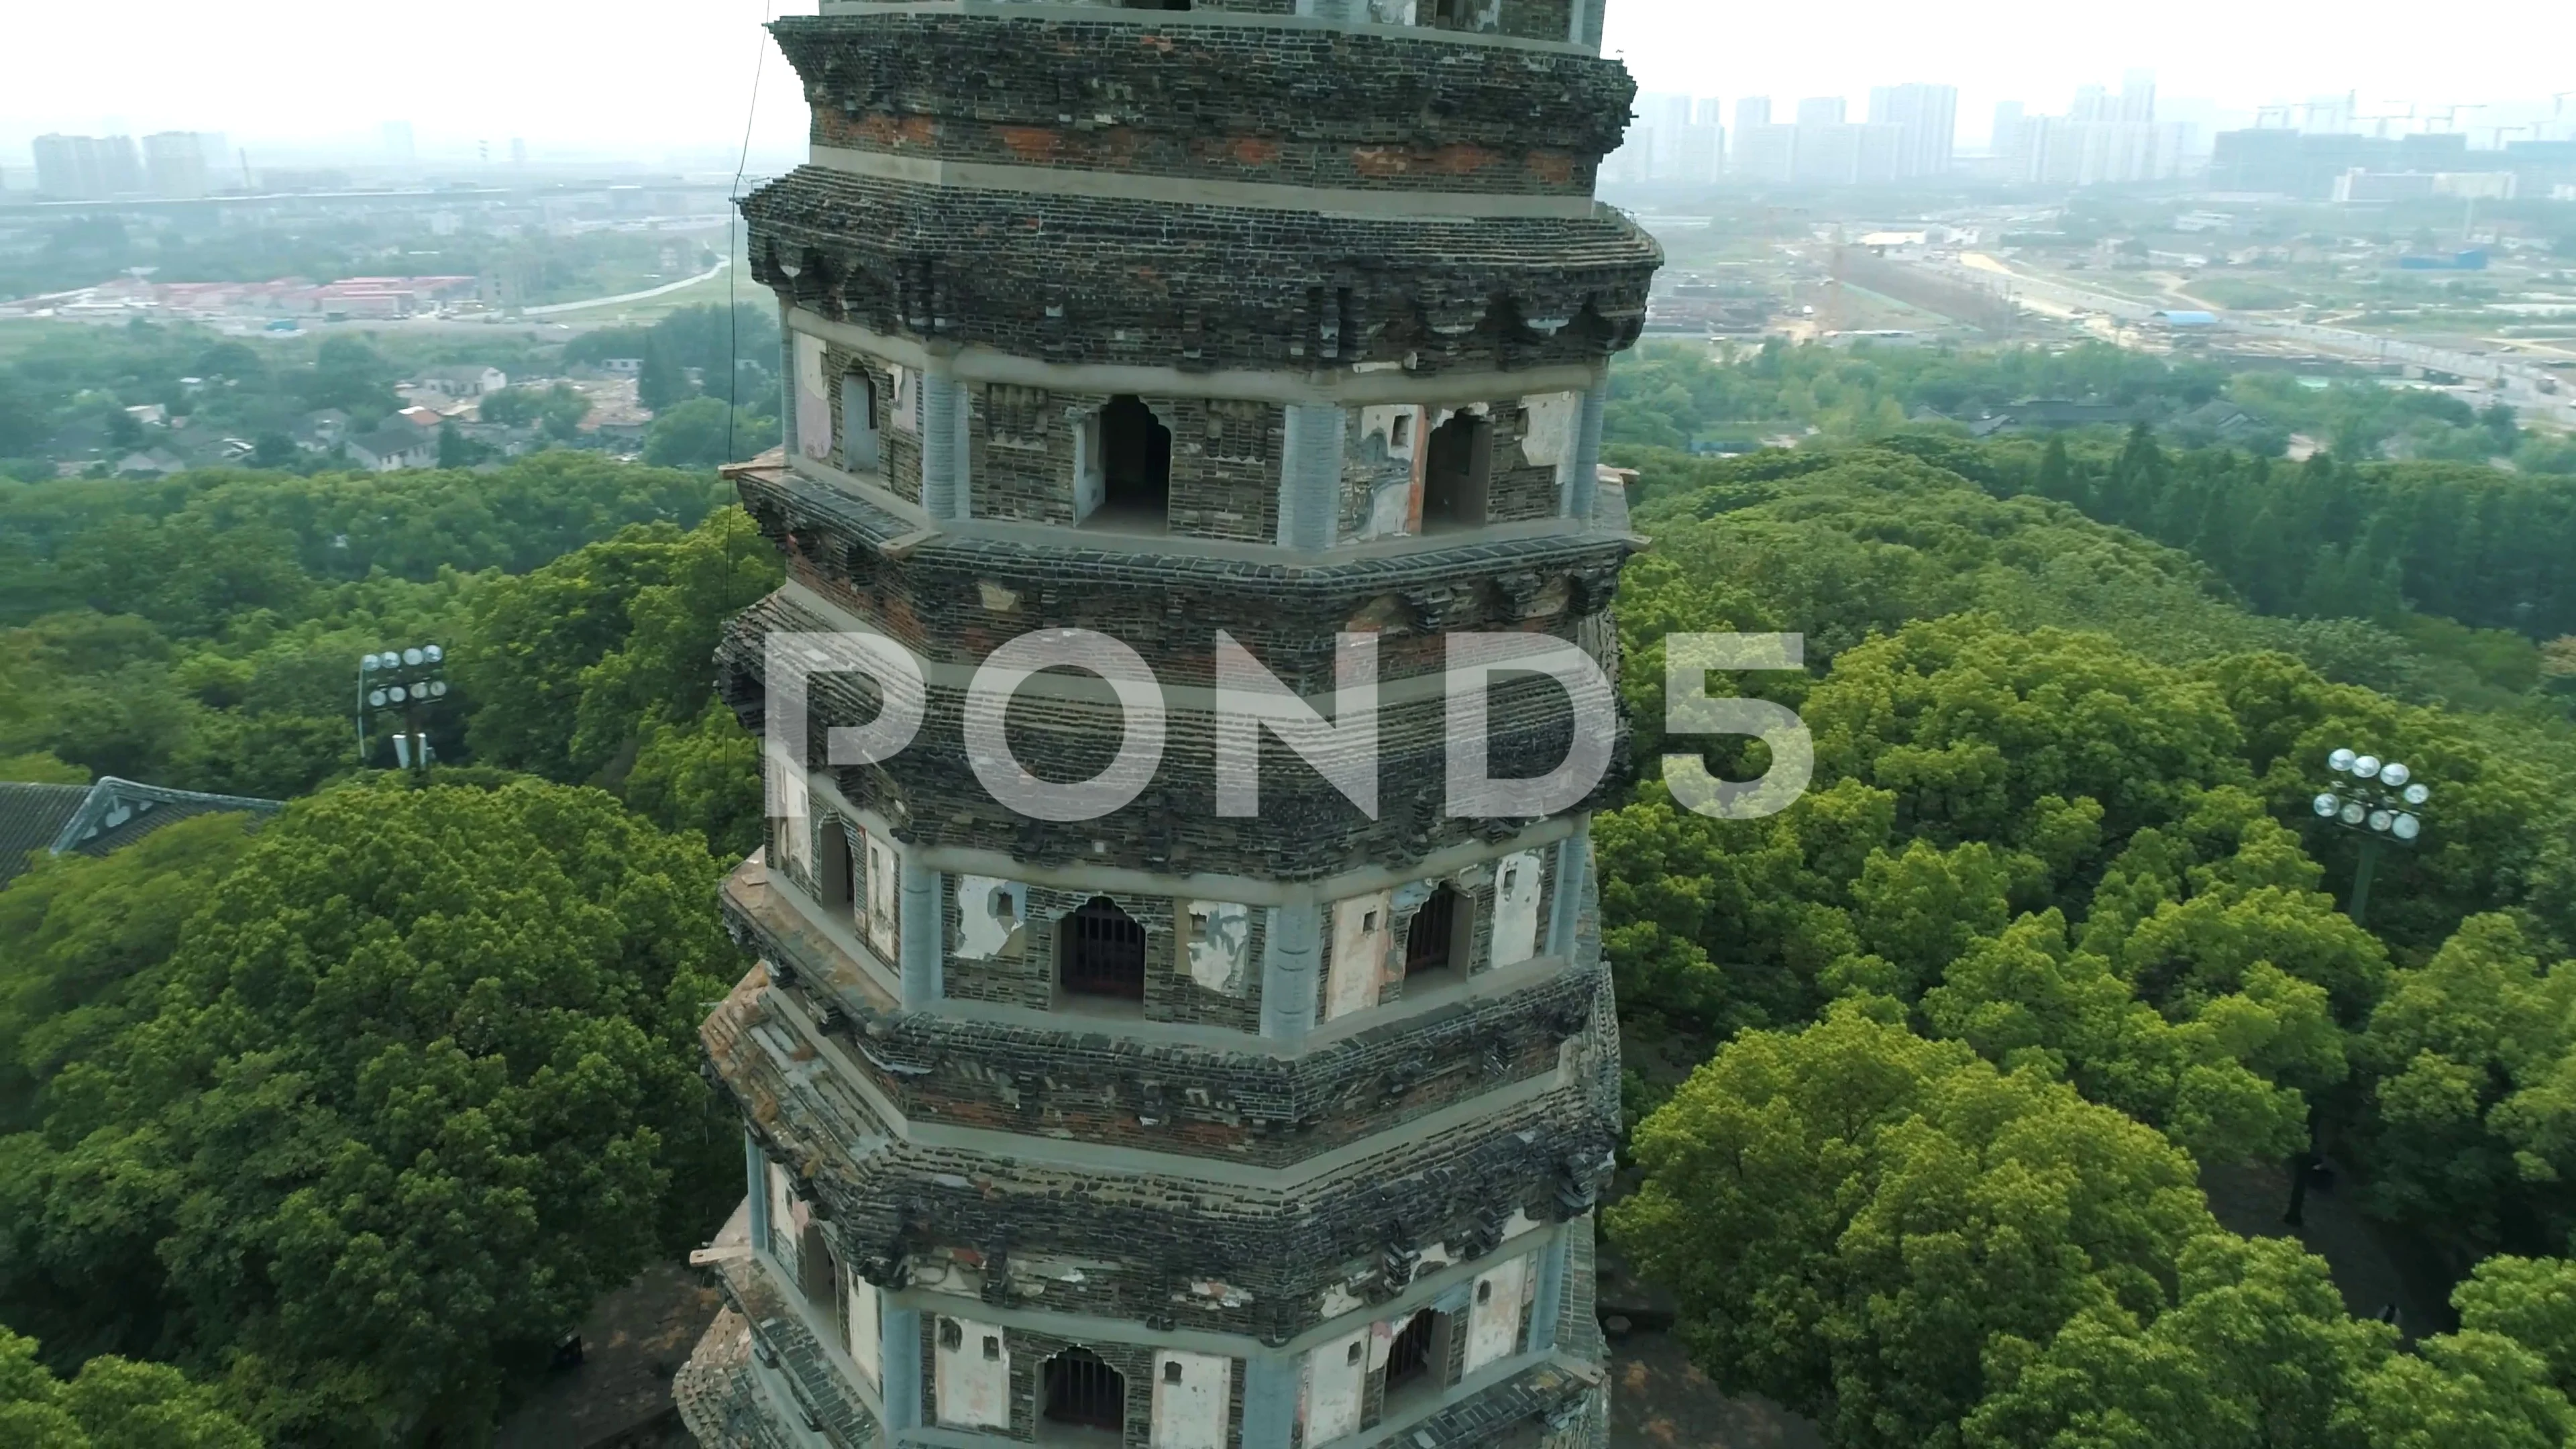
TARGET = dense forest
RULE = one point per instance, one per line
(319, 1133)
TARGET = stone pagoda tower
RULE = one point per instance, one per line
(1177, 1127)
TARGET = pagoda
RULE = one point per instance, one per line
(1267, 330)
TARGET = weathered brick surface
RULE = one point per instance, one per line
(1082, 1079)
(1162, 1166)
(1094, 280)
(1298, 107)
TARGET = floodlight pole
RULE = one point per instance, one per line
(2361, 877)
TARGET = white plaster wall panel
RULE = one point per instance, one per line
(884, 886)
(1516, 891)
(1336, 1374)
(1397, 429)
(1192, 1392)
(782, 1214)
(867, 1342)
(1494, 1313)
(1220, 945)
(791, 804)
(813, 404)
(990, 911)
(1554, 418)
(1360, 935)
(971, 1374)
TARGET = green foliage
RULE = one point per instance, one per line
(89, 939)
(202, 632)
(561, 692)
(2474, 1055)
(556, 410)
(112, 1403)
(1854, 1218)
(420, 1084)
(704, 433)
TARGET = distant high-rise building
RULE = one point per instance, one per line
(1673, 140)
(518, 152)
(81, 168)
(2137, 97)
(1764, 152)
(1752, 111)
(2007, 128)
(400, 149)
(175, 163)
(1707, 112)
(1926, 118)
(1821, 111)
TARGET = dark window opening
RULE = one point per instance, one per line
(951, 1336)
(1171, 1371)
(816, 1273)
(992, 1348)
(1135, 463)
(1080, 1389)
(1455, 476)
(838, 870)
(1408, 1358)
(1431, 942)
(859, 423)
(1102, 952)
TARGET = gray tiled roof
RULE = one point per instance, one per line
(98, 818)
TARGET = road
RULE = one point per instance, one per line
(664, 290)
(2517, 379)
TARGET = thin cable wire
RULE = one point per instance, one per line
(733, 309)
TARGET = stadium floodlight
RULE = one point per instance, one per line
(2380, 801)
(412, 657)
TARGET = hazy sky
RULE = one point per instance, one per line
(648, 77)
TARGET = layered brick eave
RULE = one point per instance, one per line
(1105, 280)
(1254, 1103)
(1333, 108)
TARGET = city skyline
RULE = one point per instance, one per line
(679, 78)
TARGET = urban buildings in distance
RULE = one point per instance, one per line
(1910, 132)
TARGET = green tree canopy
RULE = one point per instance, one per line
(421, 1085)
(1854, 1219)
(112, 1403)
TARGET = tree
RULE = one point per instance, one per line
(2256, 1351)
(90, 937)
(352, 376)
(273, 450)
(694, 434)
(2471, 1058)
(112, 1403)
(1855, 1220)
(659, 382)
(421, 1084)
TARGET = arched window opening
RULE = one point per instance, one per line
(1456, 475)
(838, 870)
(1432, 941)
(859, 451)
(1082, 1390)
(1136, 466)
(1408, 1357)
(1101, 952)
